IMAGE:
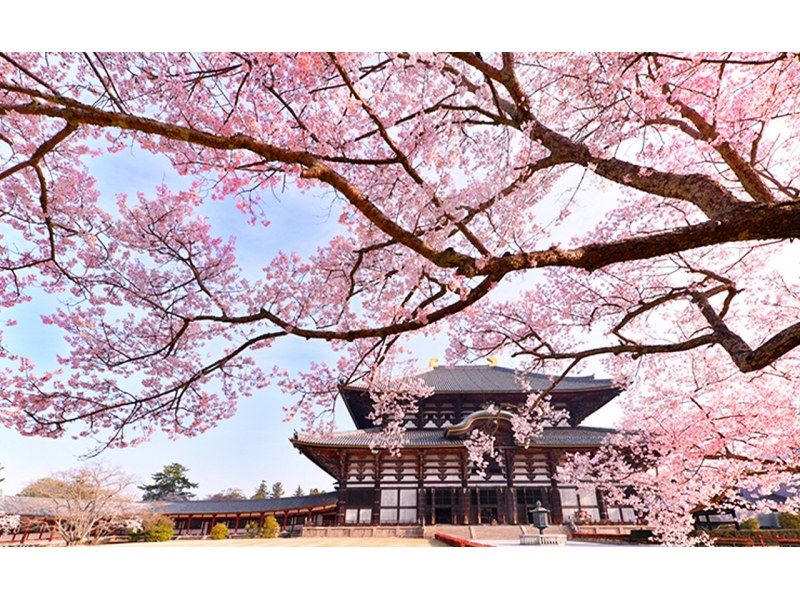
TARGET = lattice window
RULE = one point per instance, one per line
(574, 501)
(398, 506)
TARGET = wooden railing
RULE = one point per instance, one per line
(36, 534)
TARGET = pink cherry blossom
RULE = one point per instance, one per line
(632, 213)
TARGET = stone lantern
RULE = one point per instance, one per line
(540, 517)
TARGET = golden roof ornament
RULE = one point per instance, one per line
(433, 362)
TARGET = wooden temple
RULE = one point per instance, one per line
(430, 482)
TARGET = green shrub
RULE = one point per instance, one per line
(135, 536)
(271, 527)
(789, 520)
(158, 529)
(750, 524)
(251, 530)
(726, 527)
(641, 536)
(219, 532)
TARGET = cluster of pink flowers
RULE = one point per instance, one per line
(9, 523)
(480, 450)
(592, 226)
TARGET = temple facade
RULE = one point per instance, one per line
(431, 482)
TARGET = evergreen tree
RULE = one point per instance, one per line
(313, 492)
(299, 491)
(262, 491)
(277, 490)
(271, 527)
(170, 483)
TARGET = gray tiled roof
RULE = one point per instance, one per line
(488, 379)
(568, 437)
(40, 506)
(249, 506)
(23, 505)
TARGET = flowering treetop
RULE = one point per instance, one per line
(650, 198)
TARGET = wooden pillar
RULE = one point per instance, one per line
(341, 507)
(511, 494)
(261, 518)
(556, 515)
(189, 525)
(511, 506)
(602, 507)
(375, 519)
(465, 495)
(286, 520)
(236, 524)
(421, 502)
(342, 503)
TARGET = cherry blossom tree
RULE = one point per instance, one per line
(89, 502)
(709, 442)
(9, 523)
(480, 450)
(628, 211)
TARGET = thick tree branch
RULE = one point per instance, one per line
(746, 358)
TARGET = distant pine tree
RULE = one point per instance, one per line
(262, 491)
(277, 490)
(170, 483)
(298, 491)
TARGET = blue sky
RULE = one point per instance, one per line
(253, 444)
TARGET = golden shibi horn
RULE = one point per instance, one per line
(433, 362)
(492, 360)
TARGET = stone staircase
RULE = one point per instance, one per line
(510, 532)
(609, 530)
(400, 531)
(489, 532)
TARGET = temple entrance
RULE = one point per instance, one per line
(443, 503)
(487, 507)
(443, 515)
